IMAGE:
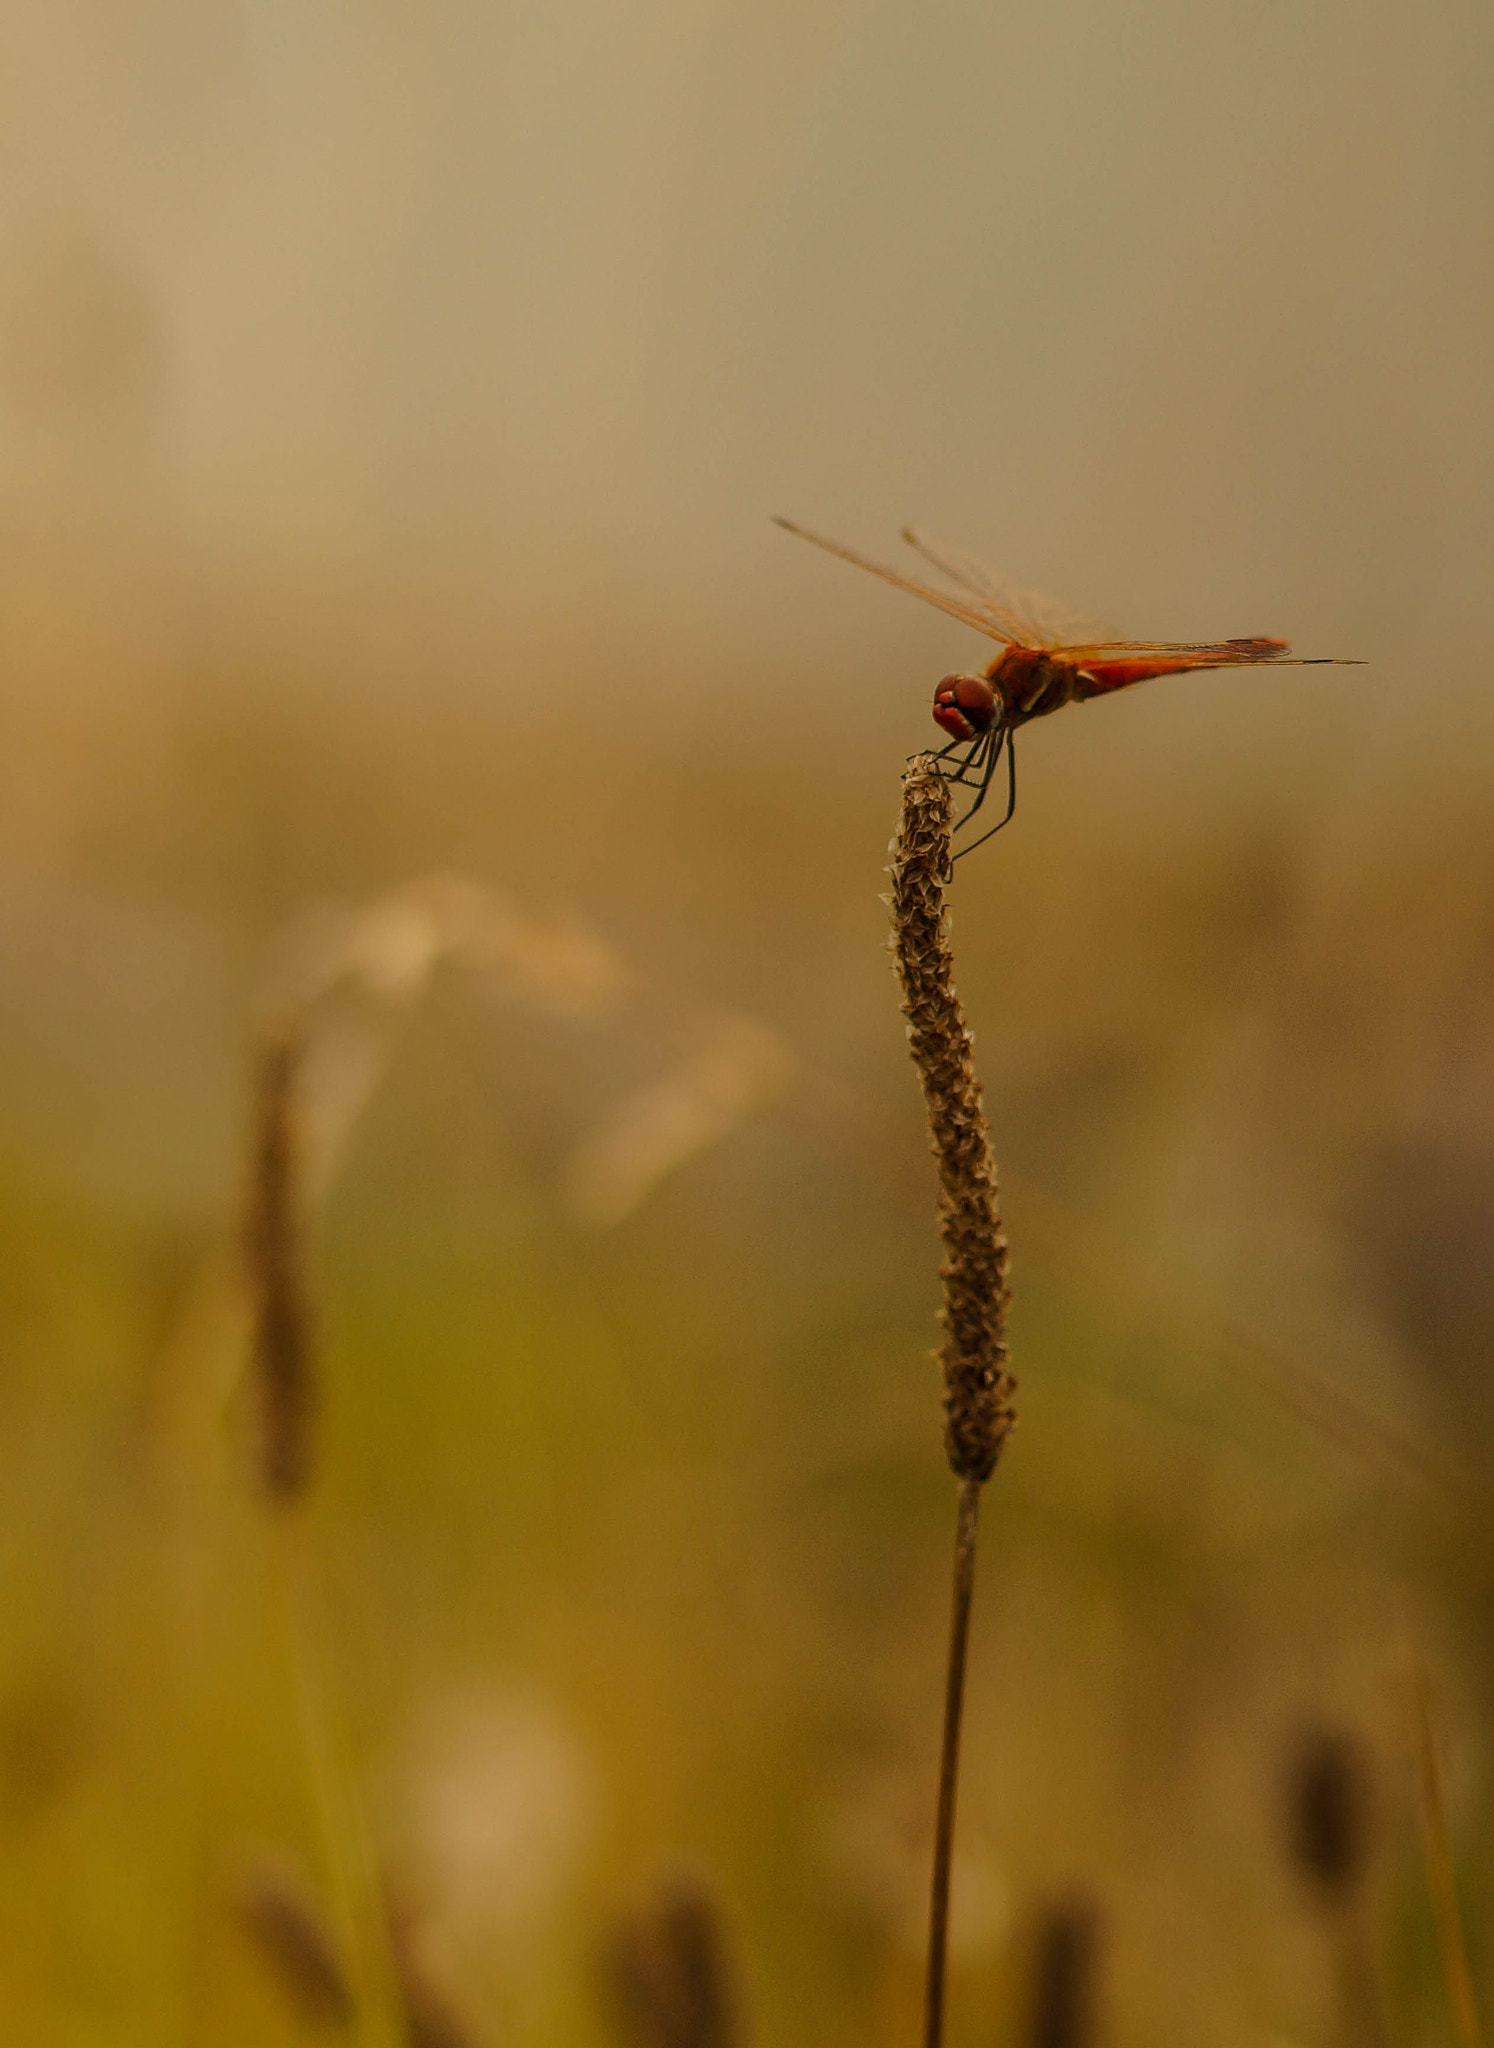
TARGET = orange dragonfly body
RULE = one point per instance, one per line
(1047, 659)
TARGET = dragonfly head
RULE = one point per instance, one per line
(965, 706)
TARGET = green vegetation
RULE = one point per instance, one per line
(626, 1546)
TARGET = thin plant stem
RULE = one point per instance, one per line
(949, 1759)
(344, 1831)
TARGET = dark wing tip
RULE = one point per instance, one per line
(1269, 650)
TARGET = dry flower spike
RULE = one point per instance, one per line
(977, 1386)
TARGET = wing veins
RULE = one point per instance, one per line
(973, 576)
(981, 614)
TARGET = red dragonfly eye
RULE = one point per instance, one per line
(964, 706)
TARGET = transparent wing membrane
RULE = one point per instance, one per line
(970, 609)
(1038, 621)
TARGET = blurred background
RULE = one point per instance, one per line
(392, 405)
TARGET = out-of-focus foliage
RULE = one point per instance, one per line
(629, 1542)
(391, 405)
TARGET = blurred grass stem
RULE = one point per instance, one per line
(283, 1372)
(1441, 1877)
(356, 1894)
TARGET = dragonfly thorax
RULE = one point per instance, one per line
(1030, 682)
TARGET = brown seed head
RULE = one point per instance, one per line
(281, 1341)
(977, 1386)
(290, 1930)
(1065, 1970)
(1328, 1811)
(669, 1975)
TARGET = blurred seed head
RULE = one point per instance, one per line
(282, 1370)
(1064, 1995)
(389, 949)
(287, 1925)
(740, 1065)
(1328, 1811)
(668, 1971)
(346, 980)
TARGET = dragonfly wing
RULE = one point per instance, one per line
(1040, 622)
(971, 609)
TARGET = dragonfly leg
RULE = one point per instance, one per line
(1009, 739)
(957, 773)
(1001, 735)
(972, 767)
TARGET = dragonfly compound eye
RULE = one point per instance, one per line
(964, 706)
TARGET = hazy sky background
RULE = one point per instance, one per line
(1181, 312)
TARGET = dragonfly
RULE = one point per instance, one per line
(1048, 658)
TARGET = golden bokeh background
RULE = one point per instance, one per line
(392, 405)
